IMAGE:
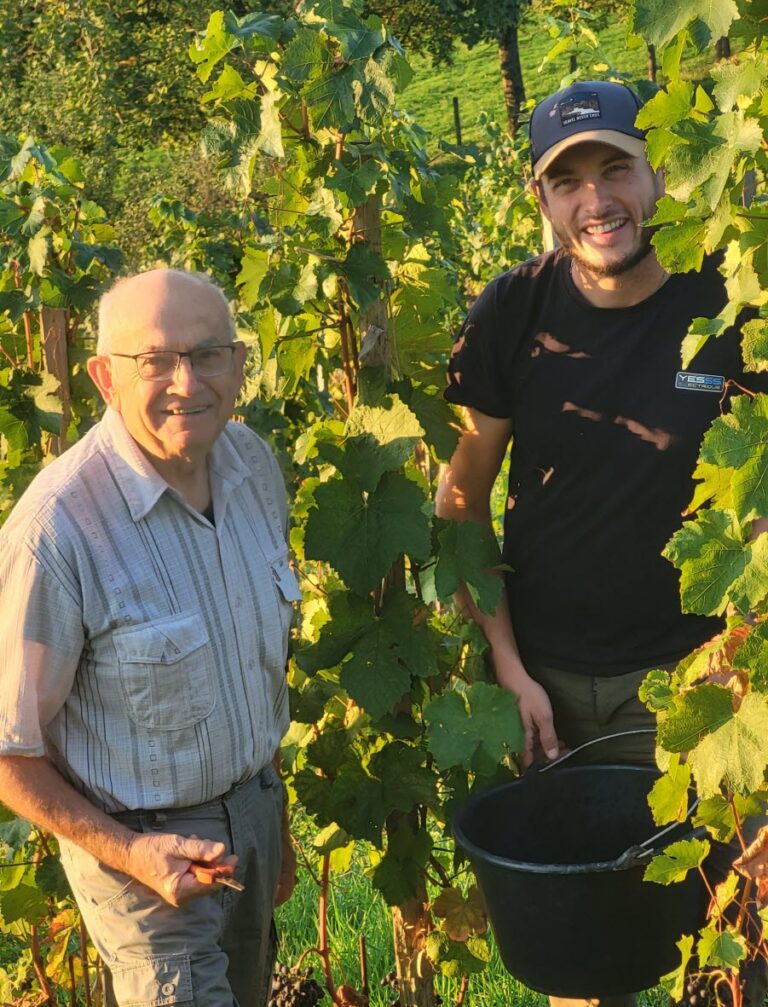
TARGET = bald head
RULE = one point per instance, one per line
(145, 302)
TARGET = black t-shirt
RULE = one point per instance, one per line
(604, 446)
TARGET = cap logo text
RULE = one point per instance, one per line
(585, 105)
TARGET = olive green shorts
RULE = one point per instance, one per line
(586, 707)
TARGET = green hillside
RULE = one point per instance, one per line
(475, 78)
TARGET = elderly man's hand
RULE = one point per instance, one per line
(162, 861)
(286, 880)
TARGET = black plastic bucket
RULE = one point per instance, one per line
(567, 901)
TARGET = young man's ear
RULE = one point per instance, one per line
(537, 189)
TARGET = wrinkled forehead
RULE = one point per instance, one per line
(165, 311)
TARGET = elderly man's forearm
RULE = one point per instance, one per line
(34, 789)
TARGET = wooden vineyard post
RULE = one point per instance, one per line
(53, 331)
(412, 921)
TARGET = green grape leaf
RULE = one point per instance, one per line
(680, 247)
(305, 56)
(25, 902)
(717, 566)
(365, 271)
(14, 430)
(721, 949)
(12, 874)
(328, 750)
(15, 832)
(374, 92)
(742, 79)
(392, 648)
(270, 139)
(707, 158)
(694, 714)
(438, 418)
(330, 839)
(717, 813)
(358, 39)
(330, 99)
(253, 268)
(736, 755)
(407, 781)
(212, 47)
(379, 439)
(673, 864)
(713, 484)
(659, 21)
(754, 344)
(349, 620)
(753, 655)
(376, 529)
(462, 915)
(674, 982)
(655, 690)
(355, 185)
(668, 798)
(739, 440)
(400, 871)
(473, 728)
(668, 106)
(468, 554)
(289, 287)
(353, 800)
(455, 959)
(51, 879)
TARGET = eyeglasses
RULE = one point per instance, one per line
(160, 365)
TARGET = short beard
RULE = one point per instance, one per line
(643, 250)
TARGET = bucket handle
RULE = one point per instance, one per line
(594, 741)
(641, 852)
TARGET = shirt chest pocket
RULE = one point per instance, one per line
(167, 672)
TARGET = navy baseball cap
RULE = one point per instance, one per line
(597, 110)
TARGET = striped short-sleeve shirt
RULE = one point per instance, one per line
(142, 647)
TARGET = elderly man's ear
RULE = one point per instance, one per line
(100, 372)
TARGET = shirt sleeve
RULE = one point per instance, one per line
(41, 642)
(475, 377)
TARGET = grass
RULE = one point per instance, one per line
(355, 909)
(475, 79)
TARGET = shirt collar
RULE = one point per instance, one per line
(140, 482)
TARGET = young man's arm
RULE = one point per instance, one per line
(464, 494)
(34, 789)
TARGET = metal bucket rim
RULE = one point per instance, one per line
(475, 852)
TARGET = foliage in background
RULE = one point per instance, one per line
(55, 254)
(708, 137)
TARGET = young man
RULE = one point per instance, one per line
(144, 619)
(575, 357)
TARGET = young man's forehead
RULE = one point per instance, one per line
(567, 161)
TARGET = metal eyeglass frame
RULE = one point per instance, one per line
(179, 354)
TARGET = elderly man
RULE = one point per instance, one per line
(574, 357)
(145, 606)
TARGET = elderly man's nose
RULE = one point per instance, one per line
(184, 376)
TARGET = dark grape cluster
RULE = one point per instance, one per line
(390, 980)
(702, 991)
(294, 988)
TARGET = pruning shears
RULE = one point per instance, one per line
(215, 874)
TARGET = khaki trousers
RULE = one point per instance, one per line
(216, 951)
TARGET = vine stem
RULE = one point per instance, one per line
(16, 266)
(363, 965)
(322, 909)
(83, 934)
(462, 995)
(37, 962)
(349, 381)
(72, 983)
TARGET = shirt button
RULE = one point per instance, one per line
(167, 989)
